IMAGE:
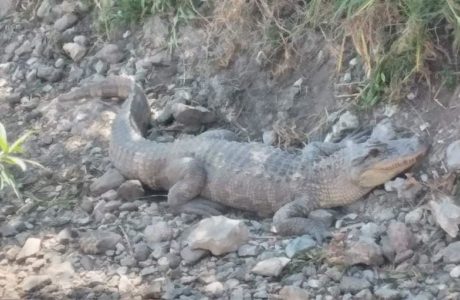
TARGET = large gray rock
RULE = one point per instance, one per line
(131, 190)
(98, 242)
(49, 73)
(219, 234)
(6, 6)
(451, 253)
(110, 53)
(66, 21)
(112, 179)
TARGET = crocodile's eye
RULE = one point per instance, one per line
(374, 152)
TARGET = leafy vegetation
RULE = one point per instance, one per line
(9, 158)
(112, 14)
(398, 41)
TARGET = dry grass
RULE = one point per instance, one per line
(268, 30)
(399, 42)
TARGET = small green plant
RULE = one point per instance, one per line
(114, 13)
(9, 159)
(110, 14)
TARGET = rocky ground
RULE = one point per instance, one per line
(83, 232)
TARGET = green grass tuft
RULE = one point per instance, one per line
(9, 158)
(113, 14)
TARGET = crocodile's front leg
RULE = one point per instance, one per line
(291, 219)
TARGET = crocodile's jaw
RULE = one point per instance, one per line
(398, 156)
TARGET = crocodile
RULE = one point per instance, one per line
(203, 174)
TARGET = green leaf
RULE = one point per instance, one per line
(16, 161)
(3, 139)
(17, 145)
(31, 162)
(7, 179)
(382, 76)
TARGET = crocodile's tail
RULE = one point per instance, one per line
(129, 126)
(113, 86)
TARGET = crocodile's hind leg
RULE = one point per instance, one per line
(291, 219)
(202, 207)
(189, 178)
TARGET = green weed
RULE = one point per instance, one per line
(9, 158)
(113, 14)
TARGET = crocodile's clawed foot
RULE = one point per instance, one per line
(201, 207)
(300, 226)
(319, 232)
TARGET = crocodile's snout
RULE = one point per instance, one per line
(394, 157)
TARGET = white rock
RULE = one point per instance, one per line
(453, 156)
(446, 213)
(219, 234)
(75, 51)
(354, 61)
(414, 216)
(455, 272)
(214, 288)
(270, 267)
(268, 137)
(30, 248)
(35, 282)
